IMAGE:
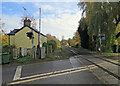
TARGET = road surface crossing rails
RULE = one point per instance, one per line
(112, 69)
(52, 74)
(96, 62)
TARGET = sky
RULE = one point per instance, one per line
(57, 18)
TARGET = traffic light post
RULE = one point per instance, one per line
(33, 46)
(31, 36)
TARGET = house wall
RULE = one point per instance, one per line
(20, 39)
(12, 40)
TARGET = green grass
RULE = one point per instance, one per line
(23, 59)
(110, 53)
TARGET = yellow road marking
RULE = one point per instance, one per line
(56, 72)
(63, 72)
(98, 76)
(94, 73)
(33, 79)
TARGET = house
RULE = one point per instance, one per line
(18, 37)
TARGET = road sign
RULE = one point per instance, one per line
(101, 36)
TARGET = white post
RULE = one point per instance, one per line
(100, 39)
(100, 43)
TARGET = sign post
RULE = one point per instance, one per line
(101, 37)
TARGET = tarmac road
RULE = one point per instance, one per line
(74, 70)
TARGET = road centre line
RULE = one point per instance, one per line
(17, 73)
(32, 78)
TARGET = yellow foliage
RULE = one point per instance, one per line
(117, 31)
(4, 39)
(118, 42)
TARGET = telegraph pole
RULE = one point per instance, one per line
(39, 49)
(39, 25)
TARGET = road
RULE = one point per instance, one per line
(81, 68)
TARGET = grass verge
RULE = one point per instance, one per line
(23, 59)
(58, 54)
(108, 54)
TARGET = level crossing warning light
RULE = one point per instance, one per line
(30, 35)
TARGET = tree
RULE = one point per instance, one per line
(53, 44)
(50, 37)
(101, 18)
(71, 42)
(76, 39)
(64, 42)
(82, 30)
(3, 35)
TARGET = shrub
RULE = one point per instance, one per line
(53, 44)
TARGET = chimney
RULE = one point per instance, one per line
(27, 22)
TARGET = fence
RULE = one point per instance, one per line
(21, 52)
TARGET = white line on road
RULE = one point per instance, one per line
(77, 68)
(73, 51)
(53, 74)
(17, 73)
(37, 78)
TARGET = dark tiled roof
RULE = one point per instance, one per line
(13, 32)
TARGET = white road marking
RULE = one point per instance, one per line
(71, 62)
(73, 51)
(17, 73)
(62, 72)
(44, 74)
(37, 78)
(56, 72)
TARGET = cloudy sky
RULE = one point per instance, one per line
(58, 18)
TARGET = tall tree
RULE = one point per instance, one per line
(83, 31)
(101, 18)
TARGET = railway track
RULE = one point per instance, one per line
(108, 61)
(104, 58)
(95, 59)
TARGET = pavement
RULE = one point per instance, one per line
(75, 70)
